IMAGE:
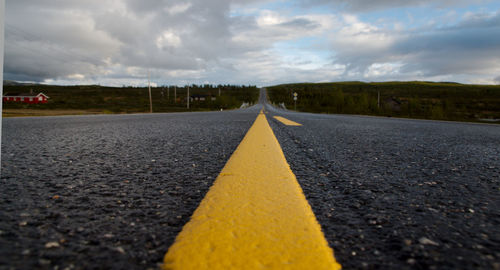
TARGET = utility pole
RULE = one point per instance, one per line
(378, 99)
(188, 97)
(219, 91)
(2, 16)
(150, 98)
(175, 93)
(168, 93)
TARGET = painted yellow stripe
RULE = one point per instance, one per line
(286, 121)
(254, 216)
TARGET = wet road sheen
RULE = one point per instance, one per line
(94, 192)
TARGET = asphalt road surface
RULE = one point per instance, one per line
(107, 192)
(399, 193)
(112, 192)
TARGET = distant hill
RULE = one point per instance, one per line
(10, 83)
(427, 100)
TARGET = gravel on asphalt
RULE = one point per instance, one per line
(108, 191)
(399, 193)
(94, 192)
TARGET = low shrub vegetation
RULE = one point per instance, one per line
(425, 100)
(135, 99)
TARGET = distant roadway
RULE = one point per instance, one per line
(113, 191)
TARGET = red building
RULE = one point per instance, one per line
(26, 98)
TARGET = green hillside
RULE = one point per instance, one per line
(426, 100)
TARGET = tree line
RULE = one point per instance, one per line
(129, 99)
(427, 100)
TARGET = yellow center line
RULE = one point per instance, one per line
(254, 216)
(286, 121)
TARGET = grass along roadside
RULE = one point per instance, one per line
(35, 112)
(51, 112)
(95, 99)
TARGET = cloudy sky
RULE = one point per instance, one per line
(259, 42)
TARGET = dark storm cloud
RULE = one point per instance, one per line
(497, 80)
(452, 52)
(469, 47)
(50, 39)
(63, 39)
(300, 23)
(53, 39)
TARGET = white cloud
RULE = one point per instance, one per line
(355, 34)
(377, 70)
(178, 8)
(76, 76)
(359, 45)
(496, 80)
(268, 28)
(168, 39)
(267, 18)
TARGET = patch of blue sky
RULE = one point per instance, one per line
(416, 17)
(303, 53)
(492, 6)
(278, 5)
(311, 42)
(298, 9)
(412, 15)
(317, 44)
